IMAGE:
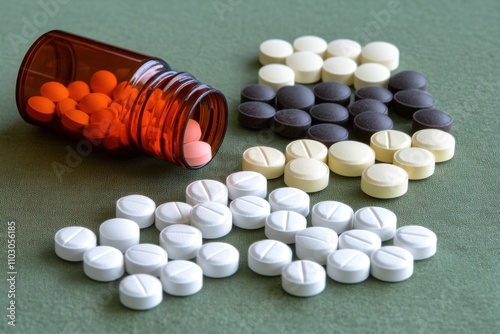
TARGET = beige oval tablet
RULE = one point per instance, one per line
(306, 66)
(350, 158)
(339, 69)
(274, 51)
(382, 53)
(384, 181)
(306, 148)
(309, 175)
(438, 142)
(387, 142)
(371, 74)
(268, 161)
(276, 76)
(417, 162)
(344, 48)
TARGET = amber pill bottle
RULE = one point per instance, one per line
(151, 104)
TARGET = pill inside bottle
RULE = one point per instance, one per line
(150, 108)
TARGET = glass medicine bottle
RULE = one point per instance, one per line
(121, 101)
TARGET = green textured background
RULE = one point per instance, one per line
(454, 43)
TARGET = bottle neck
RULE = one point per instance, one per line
(161, 104)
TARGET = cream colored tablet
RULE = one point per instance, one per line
(274, 51)
(307, 174)
(440, 143)
(350, 158)
(382, 53)
(387, 142)
(339, 69)
(384, 181)
(306, 148)
(276, 76)
(344, 48)
(312, 44)
(417, 162)
(306, 66)
(268, 161)
(371, 74)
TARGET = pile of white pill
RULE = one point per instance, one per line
(347, 243)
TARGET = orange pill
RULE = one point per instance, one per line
(121, 91)
(192, 132)
(197, 153)
(103, 82)
(78, 89)
(75, 120)
(93, 102)
(102, 114)
(54, 91)
(64, 105)
(95, 131)
(40, 108)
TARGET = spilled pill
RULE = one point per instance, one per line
(181, 278)
(268, 257)
(71, 242)
(141, 292)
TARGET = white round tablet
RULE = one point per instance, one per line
(213, 219)
(274, 51)
(315, 244)
(218, 259)
(312, 44)
(276, 76)
(418, 240)
(289, 198)
(283, 225)
(350, 158)
(250, 212)
(72, 241)
(380, 221)
(181, 241)
(419, 163)
(391, 264)
(306, 66)
(387, 142)
(339, 69)
(120, 233)
(181, 278)
(103, 263)
(268, 257)
(141, 292)
(206, 191)
(371, 74)
(384, 181)
(138, 208)
(344, 48)
(333, 215)
(303, 278)
(307, 174)
(267, 161)
(363, 240)
(246, 183)
(145, 259)
(171, 213)
(306, 148)
(438, 142)
(382, 53)
(348, 266)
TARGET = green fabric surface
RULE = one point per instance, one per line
(454, 43)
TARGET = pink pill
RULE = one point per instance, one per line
(193, 131)
(197, 153)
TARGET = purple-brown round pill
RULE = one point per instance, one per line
(431, 119)
(329, 113)
(327, 133)
(258, 92)
(255, 115)
(333, 92)
(367, 123)
(407, 102)
(365, 105)
(294, 97)
(378, 93)
(407, 80)
(291, 123)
